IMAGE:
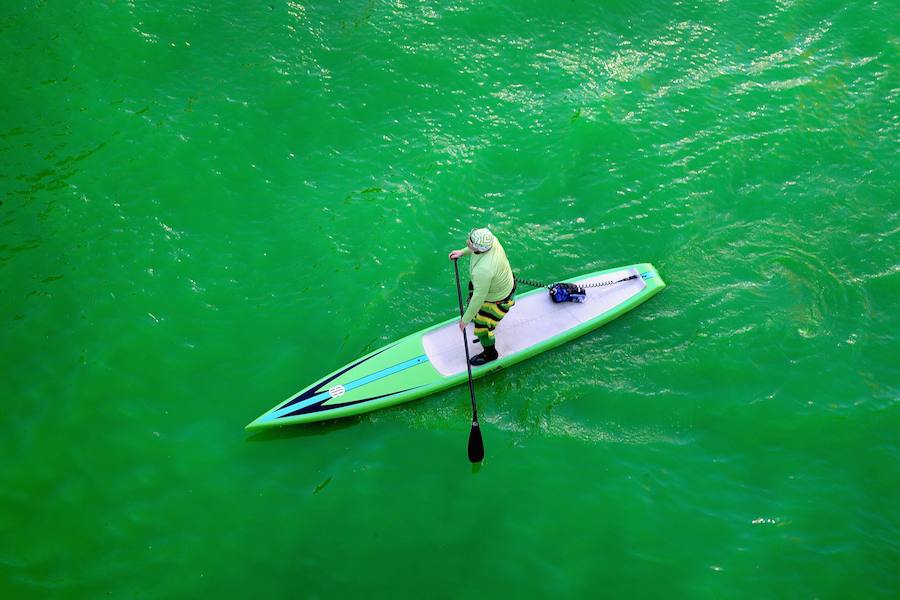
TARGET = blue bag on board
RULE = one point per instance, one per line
(567, 292)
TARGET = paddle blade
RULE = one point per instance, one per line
(476, 444)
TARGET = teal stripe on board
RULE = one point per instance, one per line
(348, 387)
(205, 207)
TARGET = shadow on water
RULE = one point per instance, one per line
(305, 430)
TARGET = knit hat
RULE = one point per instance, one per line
(481, 239)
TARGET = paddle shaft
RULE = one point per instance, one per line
(466, 346)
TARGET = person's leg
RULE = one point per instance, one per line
(489, 316)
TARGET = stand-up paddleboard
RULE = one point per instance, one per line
(433, 359)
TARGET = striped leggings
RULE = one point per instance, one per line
(489, 316)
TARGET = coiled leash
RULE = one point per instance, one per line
(570, 292)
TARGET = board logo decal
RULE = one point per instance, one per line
(337, 391)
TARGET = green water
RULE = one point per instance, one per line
(206, 207)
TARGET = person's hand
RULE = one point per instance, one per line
(455, 254)
(462, 326)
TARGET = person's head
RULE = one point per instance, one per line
(480, 240)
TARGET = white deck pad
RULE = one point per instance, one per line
(534, 319)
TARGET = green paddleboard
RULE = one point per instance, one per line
(433, 359)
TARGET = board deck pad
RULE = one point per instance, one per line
(535, 318)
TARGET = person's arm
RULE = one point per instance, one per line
(455, 254)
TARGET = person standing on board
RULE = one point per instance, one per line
(492, 288)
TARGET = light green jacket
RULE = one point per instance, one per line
(491, 276)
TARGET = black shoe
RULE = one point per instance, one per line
(485, 357)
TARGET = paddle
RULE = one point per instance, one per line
(476, 444)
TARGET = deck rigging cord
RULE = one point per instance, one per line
(537, 284)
